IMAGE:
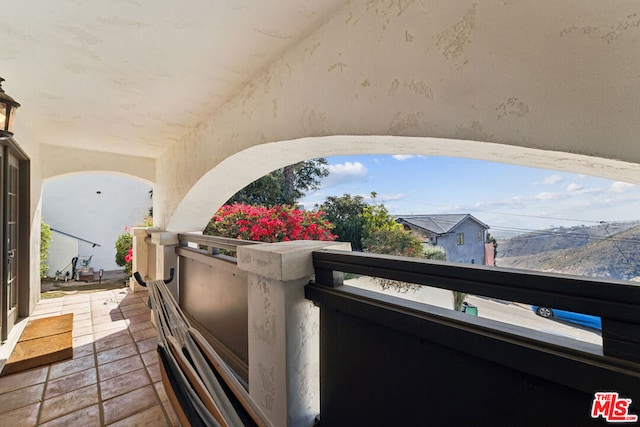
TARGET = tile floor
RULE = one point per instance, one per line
(113, 378)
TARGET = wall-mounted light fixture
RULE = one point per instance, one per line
(8, 107)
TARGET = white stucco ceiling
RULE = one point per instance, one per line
(134, 76)
(150, 77)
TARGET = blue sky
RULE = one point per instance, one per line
(510, 199)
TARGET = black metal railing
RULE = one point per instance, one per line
(424, 364)
(213, 294)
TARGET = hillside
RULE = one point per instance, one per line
(607, 251)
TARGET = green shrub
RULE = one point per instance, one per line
(45, 241)
(124, 245)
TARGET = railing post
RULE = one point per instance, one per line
(166, 258)
(140, 261)
(283, 330)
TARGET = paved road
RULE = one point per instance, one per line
(520, 314)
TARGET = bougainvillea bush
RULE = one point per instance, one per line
(124, 249)
(276, 224)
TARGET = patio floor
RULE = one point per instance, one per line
(113, 378)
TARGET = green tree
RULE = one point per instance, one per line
(45, 241)
(383, 235)
(376, 217)
(285, 186)
(394, 241)
(345, 212)
(491, 239)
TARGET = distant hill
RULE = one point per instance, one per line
(609, 250)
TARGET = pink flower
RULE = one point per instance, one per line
(129, 256)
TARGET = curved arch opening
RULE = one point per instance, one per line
(242, 168)
(87, 212)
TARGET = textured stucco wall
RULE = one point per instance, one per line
(61, 161)
(543, 76)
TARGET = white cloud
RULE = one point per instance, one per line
(574, 187)
(403, 157)
(620, 187)
(343, 173)
(545, 196)
(552, 179)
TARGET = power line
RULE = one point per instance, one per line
(635, 270)
(542, 217)
(552, 232)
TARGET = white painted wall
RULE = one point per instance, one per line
(72, 204)
(62, 249)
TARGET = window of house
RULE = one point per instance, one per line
(480, 236)
(460, 238)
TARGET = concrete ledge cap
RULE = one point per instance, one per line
(283, 261)
(164, 238)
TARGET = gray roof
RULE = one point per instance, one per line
(438, 224)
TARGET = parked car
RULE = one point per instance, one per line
(582, 319)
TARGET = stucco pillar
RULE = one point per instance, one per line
(140, 261)
(284, 351)
(165, 250)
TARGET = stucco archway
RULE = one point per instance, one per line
(240, 169)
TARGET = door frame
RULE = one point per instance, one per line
(9, 316)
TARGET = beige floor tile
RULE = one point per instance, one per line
(79, 332)
(151, 417)
(86, 417)
(72, 366)
(106, 312)
(139, 326)
(100, 335)
(132, 307)
(68, 403)
(117, 353)
(47, 311)
(76, 309)
(79, 305)
(77, 298)
(22, 397)
(116, 340)
(82, 346)
(171, 414)
(118, 325)
(124, 383)
(23, 379)
(108, 318)
(51, 301)
(22, 417)
(144, 334)
(78, 317)
(132, 300)
(120, 367)
(70, 383)
(81, 323)
(146, 317)
(154, 372)
(162, 393)
(128, 404)
(150, 357)
(136, 312)
(147, 345)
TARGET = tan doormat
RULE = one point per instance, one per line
(42, 342)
